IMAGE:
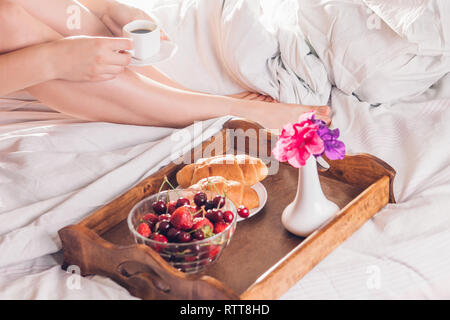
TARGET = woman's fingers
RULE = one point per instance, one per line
(119, 58)
(111, 69)
(164, 36)
(118, 44)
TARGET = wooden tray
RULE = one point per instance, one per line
(263, 260)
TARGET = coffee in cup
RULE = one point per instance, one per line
(146, 38)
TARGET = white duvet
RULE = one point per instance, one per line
(54, 170)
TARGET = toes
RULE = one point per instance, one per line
(261, 98)
(325, 119)
(269, 99)
(324, 110)
(253, 96)
(240, 95)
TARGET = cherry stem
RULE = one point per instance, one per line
(195, 213)
(173, 188)
(226, 197)
(160, 188)
(218, 193)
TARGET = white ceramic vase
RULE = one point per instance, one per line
(310, 208)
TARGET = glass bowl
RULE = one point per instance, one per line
(190, 257)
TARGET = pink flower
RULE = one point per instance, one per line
(298, 141)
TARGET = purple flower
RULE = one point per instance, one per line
(334, 149)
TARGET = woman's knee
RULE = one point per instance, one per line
(10, 14)
(14, 37)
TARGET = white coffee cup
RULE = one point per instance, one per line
(146, 44)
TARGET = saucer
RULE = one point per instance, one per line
(262, 195)
(167, 51)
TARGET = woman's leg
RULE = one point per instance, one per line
(13, 37)
(135, 99)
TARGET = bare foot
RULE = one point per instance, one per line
(272, 114)
(321, 112)
(253, 96)
(287, 113)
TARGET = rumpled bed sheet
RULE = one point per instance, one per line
(390, 97)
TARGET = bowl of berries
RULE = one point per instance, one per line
(188, 228)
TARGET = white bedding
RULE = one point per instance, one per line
(55, 170)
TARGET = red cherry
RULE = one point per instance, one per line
(152, 225)
(184, 237)
(200, 198)
(182, 202)
(172, 206)
(151, 217)
(198, 234)
(243, 212)
(218, 201)
(172, 234)
(163, 227)
(228, 216)
(144, 230)
(159, 207)
(209, 205)
(164, 217)
(215, 215)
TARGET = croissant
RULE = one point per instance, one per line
(237, 192)
(241, 168)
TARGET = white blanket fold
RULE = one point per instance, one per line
(55, 170)
(296, 50)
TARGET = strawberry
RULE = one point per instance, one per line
(220, 226)
(181, 218)
(213, 251)
(144, 230)
(199, 223)
(151, 217)
(160, 238)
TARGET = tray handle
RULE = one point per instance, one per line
(137, 267)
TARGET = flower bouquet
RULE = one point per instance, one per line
(296, 145)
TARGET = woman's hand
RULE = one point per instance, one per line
(117, 15)
(90, 58)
